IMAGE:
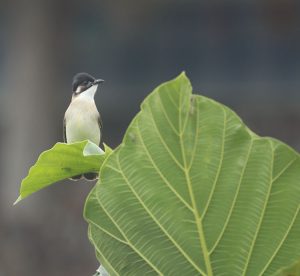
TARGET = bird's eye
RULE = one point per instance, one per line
(85, 82)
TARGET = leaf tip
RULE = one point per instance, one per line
(183, 74)
(183, 79)
(18, 200)
(92, 149)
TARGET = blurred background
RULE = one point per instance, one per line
(245, 54)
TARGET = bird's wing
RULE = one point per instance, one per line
(64, 131)
(100, 122)
(100, 125)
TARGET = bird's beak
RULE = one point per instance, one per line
(98, 81)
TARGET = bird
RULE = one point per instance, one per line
(82, 120)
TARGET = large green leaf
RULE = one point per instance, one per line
(192, 191)
(61, 162)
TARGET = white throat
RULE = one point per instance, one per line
(89, 93)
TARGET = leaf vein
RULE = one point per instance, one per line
(234, 200)
(281, 243)
(102, 255)
(220, 164)
(157, 222)
(163, 141)
(168, 184)
(167, 117)
(129, 243)
(284, 169)
(258, 228)
(106, 232)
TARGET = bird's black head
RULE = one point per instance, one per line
(83, 81)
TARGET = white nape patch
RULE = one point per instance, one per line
(89, 93)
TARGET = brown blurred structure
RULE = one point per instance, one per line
(243, 53)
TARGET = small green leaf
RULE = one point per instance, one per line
(61, 162)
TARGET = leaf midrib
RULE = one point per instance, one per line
(198, 220)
